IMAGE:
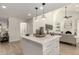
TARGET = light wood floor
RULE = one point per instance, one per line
(10, 48)
(14, 48)
(68, 49)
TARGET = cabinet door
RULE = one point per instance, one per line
(51, 47)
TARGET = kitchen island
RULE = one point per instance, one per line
(48, 45)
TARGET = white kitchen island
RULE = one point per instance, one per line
(48, 45)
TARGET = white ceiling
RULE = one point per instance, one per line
(21, 10)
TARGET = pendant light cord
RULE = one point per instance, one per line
(65, 10)
(43, 4)
(36, 11)
(43, 9)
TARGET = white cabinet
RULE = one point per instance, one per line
(52, 47)
(40, 46)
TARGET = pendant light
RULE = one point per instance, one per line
(68, 21)
(67, 17)
(36, 19)
(43, 15)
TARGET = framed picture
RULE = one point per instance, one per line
(48, 27)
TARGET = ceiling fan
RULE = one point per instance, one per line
(66, 13)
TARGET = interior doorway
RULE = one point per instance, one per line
(23, 28)
(4, 25)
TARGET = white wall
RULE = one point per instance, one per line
(52, 18)
(55, 17)
(30, 26)
(14, 29)
(4, 26)
(41, 23)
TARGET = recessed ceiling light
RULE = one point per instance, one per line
(3, 6)
(41, 8)
(29, 14)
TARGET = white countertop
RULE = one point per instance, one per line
(42, 40)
